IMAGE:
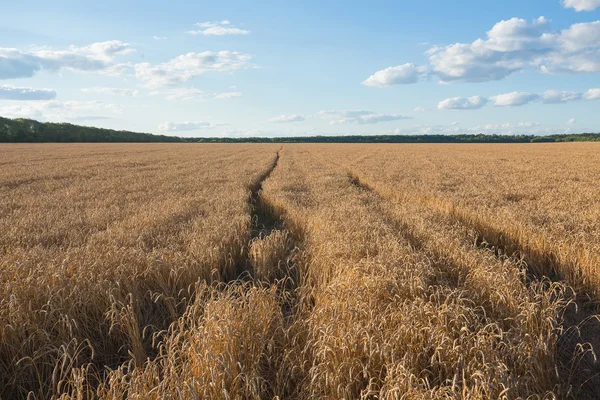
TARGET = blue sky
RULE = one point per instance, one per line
(271, 68)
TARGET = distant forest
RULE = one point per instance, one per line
(30, 131)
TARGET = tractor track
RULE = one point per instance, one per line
(579, 335)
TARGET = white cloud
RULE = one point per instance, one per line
(513, 99)
(419, 109)
(462, 103)
(159, 37)
(592, 94)
(287, 118)
(228, 95)
(183, 68)
(572, 122)
(512, 46)
(517, 99)
(25, 93)
(358, 117)
(97, 57)
(217, 28)
(187, 126)
(581, 5)
(401, 74)
(61, 111)
(113, 91)
(555, 96)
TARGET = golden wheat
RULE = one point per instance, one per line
(302, 271)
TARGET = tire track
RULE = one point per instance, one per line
(579, 334)
(274, 243)
(130, 313)
(272, 261)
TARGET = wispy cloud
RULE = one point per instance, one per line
(97, 57)
(506, 128)
(515, 99)
(228, 95)
(61, 111)
(287, 118)
(191, 93)
(217, 28)
(25, 93)
(112, 91)
(183, 68)
(187, 126)
(180, 93)
(358, 117)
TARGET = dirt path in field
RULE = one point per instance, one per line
(579, 333)
(272, 245)
(264, 221)
(271, 262)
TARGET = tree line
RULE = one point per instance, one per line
(31, 131)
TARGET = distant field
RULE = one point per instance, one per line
(299, 271)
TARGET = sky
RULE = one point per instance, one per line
(272, 68)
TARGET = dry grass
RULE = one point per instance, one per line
(225, 271)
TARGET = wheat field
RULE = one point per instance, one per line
(299, 271)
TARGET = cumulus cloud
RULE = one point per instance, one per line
(217, 28)
(572, 122)
(183, 68)
(113, 91)
(509, 47)
(592, 94)
(513, 99)
(25, 93)
(514, 45)
(556, 96)
(462, 103)
(358, 117)
(159, 37)
(401, 74)
(419, 109)
(287, 118)
(97, 57)
(61, 111)
(187, 126)
(581, 5)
